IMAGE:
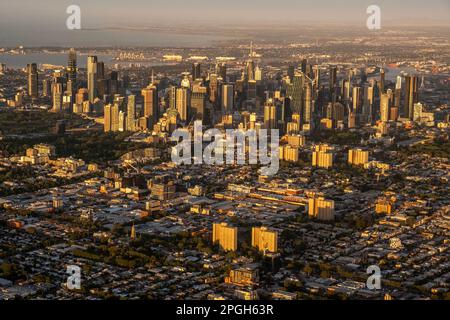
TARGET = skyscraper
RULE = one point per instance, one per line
(172, 97)
(382, 80)
(32, 80)
(151, 103)
(411, 95)
(198, 102)
(182, 103)
(227, 99)
(57, 92)
(250, 70)
(131, 113)
(213, 88)
(92, 78)
(221, 70)
(115, 123)
(46, 88)
(196, 71)
(107, 118)
(291, 73)
(368, 103)
(304, 65)
(270, 115)
(398, 91)
(316, 73)
(356, 99)
(258, 73)
(72, 67)
(333, 79)
(384, 107)
(307, 103)
(295, 92)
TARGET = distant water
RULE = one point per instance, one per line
(61, 37)
(18, 61)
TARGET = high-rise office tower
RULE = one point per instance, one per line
(72, 67)
(351, 120)
(81, 98)
(335, 111)
(101, 74)
(251, 89)
(316, 73)
(226, 236)
(363, 75)
(307, 103)
(131, 113)
(295, 93)
(264, 239)
(115, 123)
(46, 88)
(113, 83)
(172, 97)
(102, 82)
(258, 73)
(32, 80)
(368, 103)
(411, 95)
(291, 73)
(196, 71)
(57, 92)
(382, 80)
(270, 115)
(92, 78)
(151, 104)
(418, 109)
(198, 102)
(213, 88)
(333, 79)
(356, 99)
(285, 112)
(398, 92)
(227, 99)
(346, 89)
(182, 103)
(107, 118)
(304, 65)
(122, 121)
(70, 88)
(384, 107)
(250, 70)
(221, 70)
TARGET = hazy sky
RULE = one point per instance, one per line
(25, 20)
